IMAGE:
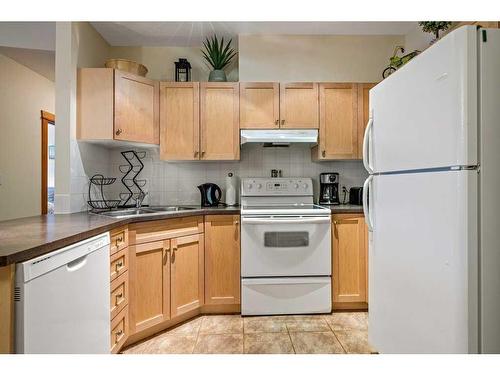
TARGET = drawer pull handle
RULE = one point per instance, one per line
(118, 241)
(323, 153)
(119, 265)
(118, 335)
(118, 131)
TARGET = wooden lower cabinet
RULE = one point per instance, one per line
(349, 261)
(222, 259)
(186, 274)
(119, 330)
(150, 284)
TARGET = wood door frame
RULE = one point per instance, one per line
(46, 118)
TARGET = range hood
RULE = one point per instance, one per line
(279, 137)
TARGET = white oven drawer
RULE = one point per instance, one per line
(276, 296)
(285, 246)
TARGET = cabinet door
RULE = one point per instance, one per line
(338, 128)
(363, 113)
(179, 120)
(187, 274)
(220, 121)
(136, 108)
(259, 105)
(299, 107)
(149, 284)
(222, 259)
(349, 260)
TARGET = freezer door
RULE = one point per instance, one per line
(425, 114)
(423, 262)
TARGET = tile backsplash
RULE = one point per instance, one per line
(171, 183)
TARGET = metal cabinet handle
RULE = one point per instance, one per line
(118, 266)
(282, 122)
(118, 241)
(195, 153)
(118, 131)
(118, 335)
(202, 153)
(277, 122)
(323, 153)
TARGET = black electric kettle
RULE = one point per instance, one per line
(210, 194)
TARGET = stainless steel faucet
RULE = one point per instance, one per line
(140, 199)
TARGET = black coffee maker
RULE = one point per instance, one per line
(329, 188)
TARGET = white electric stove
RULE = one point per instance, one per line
(285, 248)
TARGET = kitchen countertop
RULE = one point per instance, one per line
(345, 209)
(26, 238)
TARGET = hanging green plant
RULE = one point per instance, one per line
(218, 56)
(434, 26)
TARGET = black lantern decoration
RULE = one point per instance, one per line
(182, 71)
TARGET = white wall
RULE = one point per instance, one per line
(77, 45)
(23, 94)
(171, 183)
(339, 58)
(160, 61)
(416, 39)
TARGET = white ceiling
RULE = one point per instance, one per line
(193, 33)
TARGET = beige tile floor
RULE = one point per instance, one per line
(345, 332)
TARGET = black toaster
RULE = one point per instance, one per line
(356, 195)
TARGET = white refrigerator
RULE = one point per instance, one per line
(432, 150)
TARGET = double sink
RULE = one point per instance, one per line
(143, 211)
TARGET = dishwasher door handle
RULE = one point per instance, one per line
(76, 264)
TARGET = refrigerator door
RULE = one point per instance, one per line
(425, 114)
(489, 47)
(423, 262)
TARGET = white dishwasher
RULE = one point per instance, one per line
(62, 300)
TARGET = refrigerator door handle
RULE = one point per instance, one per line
(366, 209)
(366, 142)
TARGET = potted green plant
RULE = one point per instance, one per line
(218, 57)
(434, 27)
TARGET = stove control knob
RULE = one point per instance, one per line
(249, 186)
(305, 186)
(259, 186)
(296, 186)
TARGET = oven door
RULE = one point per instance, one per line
(285, 246)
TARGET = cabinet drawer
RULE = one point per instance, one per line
(119, 294)
(119, 330)
(118, 264)
(119, 240)
(164, 229)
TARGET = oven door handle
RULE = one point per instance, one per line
(274, 220)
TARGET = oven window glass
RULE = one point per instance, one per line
(286, 239)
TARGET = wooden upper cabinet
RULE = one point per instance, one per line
(115, 105)
(222, 259)
(219, 121)
(299, 107)
(136, 108)
(187, 274)
(259, 105)
(179, 120)
(363, 113)
(350, 259)
(338, 126)
(149, 284)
